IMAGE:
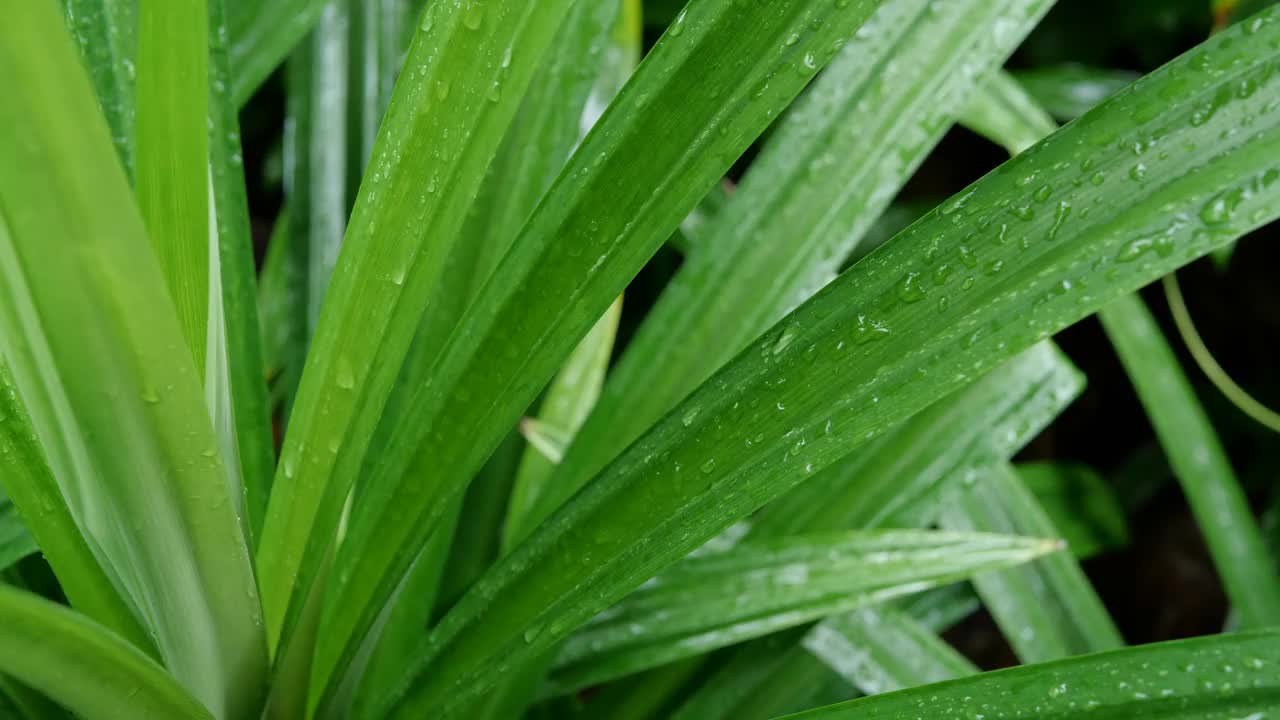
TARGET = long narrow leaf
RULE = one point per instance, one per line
(793, 654)
(1003, 112)
(262, 35)
(1026, 252)
(1069, 91)
(410, 207)
(133, 451)
(907, 470)
(827, 173)
(1200, 463)
(884, 649)
(1216, 678)
(991, 418)
(589, 236)
(239, 332)
(30, 484)
(568, 401)
(172, 144)
(1047, 609)
(105, 33)
(1198, 460)
(90, 671)
(15, 541)
(757, 588)
(1083, 507)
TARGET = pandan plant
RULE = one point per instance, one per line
(406, 465)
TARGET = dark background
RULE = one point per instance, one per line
(1163, 584)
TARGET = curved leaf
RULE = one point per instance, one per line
(105, 33)
(1069, 91)
(30, 484)
(458, 81)
(1221, 509)
(1225, 677)
(829, 169)
(884, 649)
(589, 236)
(760, 587)
(1195, 452)
(172, 145)
(1047, 609)
(15, 542)
(239, 349)
(1040, 243)
(98, 358)
(90, 671)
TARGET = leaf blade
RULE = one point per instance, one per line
(1158, 685)
(761, 587)
(856, 312)
(82, 666)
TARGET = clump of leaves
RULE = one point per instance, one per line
(773, 499)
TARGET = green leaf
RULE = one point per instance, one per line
(15, 542)
(883, 649)
(277, 306)
(714, 600)
(1081, 505)
(596, 48)
(380, 34)
(90, 671)
(1027, 251)
(262, 35)
(1003, 113)
(305, 248)
(20, 702)
(98, 358)
(391, 258)
(1194, 450)
(991, 418)
(31, 487)
(589, 236)
(172, 144)
(754, 671)
(1198, 460)
(1046, 609)
(105, 34)
(1225, 677)
(564, 408)
(899, 477)
(827, 172)
(236, 331)
(1069, 91)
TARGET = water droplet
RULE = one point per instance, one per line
(1221, 207)
(689, 416)
(344, 376)
(473, 17)
(910, 289)
(708, 466)
(785, 338)
(866, 331)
